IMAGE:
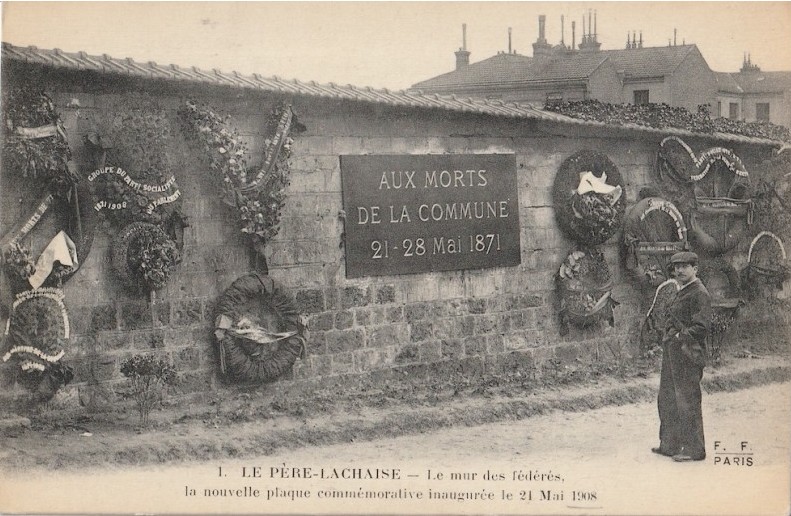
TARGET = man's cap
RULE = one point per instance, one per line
(685, 257)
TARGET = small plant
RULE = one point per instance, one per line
(148, 377)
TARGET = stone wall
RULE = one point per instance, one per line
(470, 323)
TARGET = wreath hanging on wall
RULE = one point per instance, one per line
(654, 230)
(141, 200)
(724, 285)
(585, 289)
(767, 266)
(35, 143)
(588, 197)
(259, 332)
(711, 189)
(653, 326)
(144, 256)
(36, 336)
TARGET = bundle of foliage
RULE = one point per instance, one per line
(148, 376)
(585, 288)
(662, 116)
(258, 195)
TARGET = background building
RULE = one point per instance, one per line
(677, 75)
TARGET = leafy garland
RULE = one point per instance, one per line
(662, 116)
(258, 195)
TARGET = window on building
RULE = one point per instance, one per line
(554, 97)
(719, 108)
(733, 110)
(640, 97)
(762, 111)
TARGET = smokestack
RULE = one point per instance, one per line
(464, 36)
(462, 55)
(509, 40)
(583, 29)
(674, 37)
(590, 27)
(573, 34)
(628, 42)
(541, 34)
(641, 40)
(562, 31)
(595, 33)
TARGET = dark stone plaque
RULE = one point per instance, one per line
(409, 214)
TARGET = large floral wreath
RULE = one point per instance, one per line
(144, 256)
(585, 289)
(36, 336)
(258, 329)
(588, 197)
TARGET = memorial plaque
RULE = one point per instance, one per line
(409, 214)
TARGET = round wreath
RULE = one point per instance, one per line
(585, 289)
(654, 229)
(36, 335)
(766, 263)
(144, 256)
(242, 358)
(591, 217)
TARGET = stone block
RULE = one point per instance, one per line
(339, 341)
(485, 324)
(321, 322)
(430, 351)
(160, 312)
(390, 335)
(186, 312)
(103, 317)
(355, 296)
(187, 359)
(385, 294)
(394, 314)
(421, 330)
(475, 345)
(516, 361)
(344, 319)
(316, 344)
(495, 344)
(452, 348)
(114, 341)
(368, 359)
(476, 305)
(514, 340)
(321, 365)
(310, 301)
(342, 363)
(407, 354)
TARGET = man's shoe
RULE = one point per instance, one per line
(659, 451)
(683, 457)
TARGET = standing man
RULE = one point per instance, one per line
(683, 358)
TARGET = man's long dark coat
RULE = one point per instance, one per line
(683, 359)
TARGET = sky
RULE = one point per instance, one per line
(384, 44)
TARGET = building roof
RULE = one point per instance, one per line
(763, 82)
(649, 61)
(507, 68)
(727, 84)
(81, 61)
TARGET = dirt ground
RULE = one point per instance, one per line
(589, 462)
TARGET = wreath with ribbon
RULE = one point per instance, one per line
(725, 287)
(588, 197)
(654, 230)
(585, 290)
(259, 332)
(36, 335)
(766, 264)
(707, 188)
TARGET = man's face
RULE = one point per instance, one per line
(685, 272)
